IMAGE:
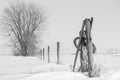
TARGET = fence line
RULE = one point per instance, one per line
(46, 54)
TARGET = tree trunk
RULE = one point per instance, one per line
(24, 50)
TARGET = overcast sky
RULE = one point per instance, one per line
(65, 17)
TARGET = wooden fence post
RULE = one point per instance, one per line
(48, 54)
(40, 54)
(58, 55)
(43, 54)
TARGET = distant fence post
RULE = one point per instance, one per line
(58, 55)
(40, 54)
(43, 54)
(48, 54)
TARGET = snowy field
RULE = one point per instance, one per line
(32, 68)
(108, 61)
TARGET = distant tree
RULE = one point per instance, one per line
(23, 22)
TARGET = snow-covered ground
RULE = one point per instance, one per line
(32, 68)
(18, 67)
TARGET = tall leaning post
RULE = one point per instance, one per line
(89, 47)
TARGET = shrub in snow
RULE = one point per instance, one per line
(96, 70)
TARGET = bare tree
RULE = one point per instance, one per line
(22, 21)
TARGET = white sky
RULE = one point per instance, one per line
(65, 19)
